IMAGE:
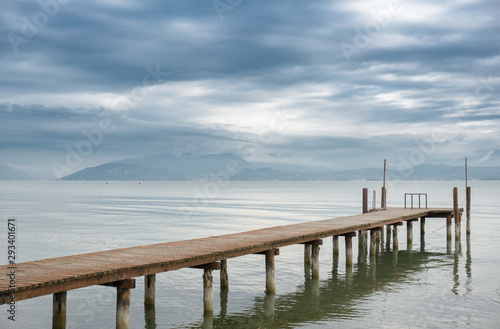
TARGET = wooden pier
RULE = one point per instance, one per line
(118, 268)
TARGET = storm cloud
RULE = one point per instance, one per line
(324, 84)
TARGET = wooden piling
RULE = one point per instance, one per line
(365, 200)
(149, 289)
(335, 240)
(348, 248)
(208, 291)
(122, 308)
(270, 280)
(388, 237)
(467, 208)
(456, 213)
(409, 232)
(315, 260)
(307, 253)
(373, 242)
(395, 241)
(383, 198)
(122, 301)
(224, 278)
(448, 227)
(59, 310)
(422, 226)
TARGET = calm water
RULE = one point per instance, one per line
(435, 285)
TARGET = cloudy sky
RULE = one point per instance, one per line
(327, 84)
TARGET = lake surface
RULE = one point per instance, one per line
(431, 285)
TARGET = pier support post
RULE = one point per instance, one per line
(123, 308)
(149, 289)
(373, 242)
(335, 240)
(361, 241)
(123, 302)
(270, 280)
(224, 278)
(348, 248)
(467, 208)
(395, 241)
(208, 291)
(315, 261)
(448, 227)
(365, 200)
(409, 233)
(307, 253)
(456, 213)
(422, 226)
(388, 237)
(59, 310)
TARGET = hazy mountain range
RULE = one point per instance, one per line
(231, 167)
(8, 173)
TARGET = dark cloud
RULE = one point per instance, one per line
(223, 74)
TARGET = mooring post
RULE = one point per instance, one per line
(374, 201)
(365, 200)
(348, 248)
(315, 258)
(59, 310)
(270, 280)
(383, 198)
(335, 241)
(149, 289)
(307, 253)
(224, 278)
(456, 214)
(208, 291)
(467, 208)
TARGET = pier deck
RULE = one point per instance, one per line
(55, 275)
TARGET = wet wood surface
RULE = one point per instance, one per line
(49, 276)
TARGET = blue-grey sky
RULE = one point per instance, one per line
(327, 84)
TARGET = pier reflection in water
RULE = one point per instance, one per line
(340, 296)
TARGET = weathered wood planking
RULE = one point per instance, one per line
(49, 276)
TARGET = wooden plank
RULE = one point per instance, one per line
(49, 276)
(210, 266)
(125, 284)
(276, 252)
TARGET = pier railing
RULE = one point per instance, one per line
(412, 198)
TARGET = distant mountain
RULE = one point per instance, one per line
(165, 167)
(230, 167)
(8, 173)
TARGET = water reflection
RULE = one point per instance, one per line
(335, 298)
